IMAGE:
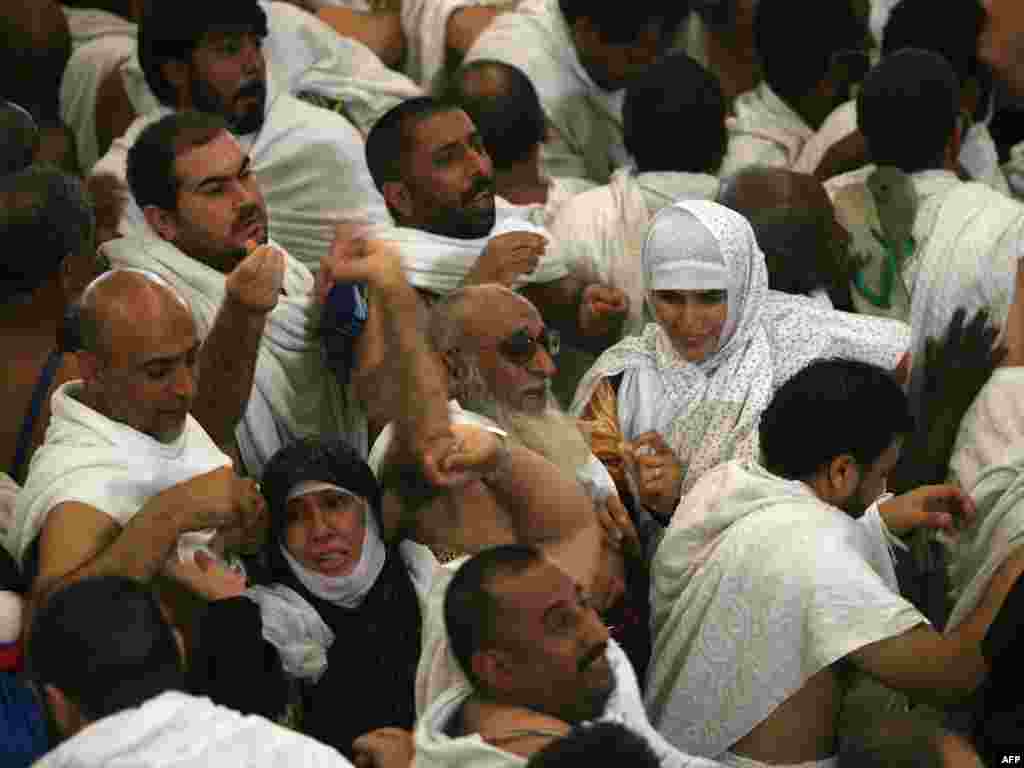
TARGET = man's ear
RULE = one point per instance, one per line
(161, 221)
(396, 195)
(492, 669)
(842, 476)
(90, 366)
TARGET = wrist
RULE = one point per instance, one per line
(240, 309)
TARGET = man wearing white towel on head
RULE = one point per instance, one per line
(579, 55)
(429, 161)
(127, 482)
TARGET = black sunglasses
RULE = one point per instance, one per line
(520, 347)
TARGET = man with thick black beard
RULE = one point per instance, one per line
(428, 160)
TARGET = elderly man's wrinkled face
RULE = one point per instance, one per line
(228, 77)
(448, 179)
(220, 206)
(325, 531)
(511, 354)
(552, 645)
(148, 376)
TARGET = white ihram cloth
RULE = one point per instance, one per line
(997, 531)
(294, 394)
(992, 427)
(90, 459)
(708, 412)
(757, 586)
(765, 131)
(978, 153)
(602, 230)
(588, 120)
(175, 729)
(311, 168)
(100, 42)
(435, 749)
(439, 264)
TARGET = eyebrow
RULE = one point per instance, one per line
(246, 162)
(560, 604)
(468, 138)
(170, 359)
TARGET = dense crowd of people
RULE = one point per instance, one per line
(490, 383)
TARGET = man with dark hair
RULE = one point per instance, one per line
(199, 194)
(805, 247)
(429, 162)
(779, 563)
(538, 661)
(111, 672)
(579, 55)
(812, 55)
(593, 743)
(937, 241)
(503, 104)
(309, 161)
(674, 127)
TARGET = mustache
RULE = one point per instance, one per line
(593, 655)
(481, 185)
(256, 88)
(248, 215)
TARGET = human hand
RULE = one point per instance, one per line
(659, 473)
(618, 527)
(603, 309)
(354, 257)
(218, 499)
(939, 507)
(255, 284)
(384, 748)
(466, 452)
(207, 577)
(506, 257)
(250, 534)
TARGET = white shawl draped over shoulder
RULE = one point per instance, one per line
(764, 131)
(175, 729)
(992, 427)
(997, 532)
(587, 119)
(435, 749)
(439, 264)
(91, 459)
(708, 412)
(294, 394)
(757, 586)
(602, 230)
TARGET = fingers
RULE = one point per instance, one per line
(652, 440)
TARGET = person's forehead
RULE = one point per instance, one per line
(533, 591)
(442, 128)
(498, 314)
(221, 156)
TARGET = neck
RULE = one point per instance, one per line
(522, 183)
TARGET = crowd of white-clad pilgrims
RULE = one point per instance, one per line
(501, 383)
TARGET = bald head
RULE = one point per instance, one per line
(120, 300)
(795, 225)
(464, 315)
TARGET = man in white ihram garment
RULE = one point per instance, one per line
(775, 581)
(579, 56)
(309, 161)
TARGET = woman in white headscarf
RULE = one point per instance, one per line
(687, 394)
(329, 642)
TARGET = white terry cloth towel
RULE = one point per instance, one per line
(311, 167)
(978, 153)
(757, 586)
(439, 264)
(587, 119)
(294, 394)
(997, 531)
(175, 729)
(708, 412)
(992, 427)
(602, 230)
(91, 459)
(764, 131)
(425, 27)
(101, 42)
(435, 749)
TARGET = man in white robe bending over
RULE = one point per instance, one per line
(809, 69)
(579, 55)
(309, 161)
(935, 243)
(429, 161)
(767, 592)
